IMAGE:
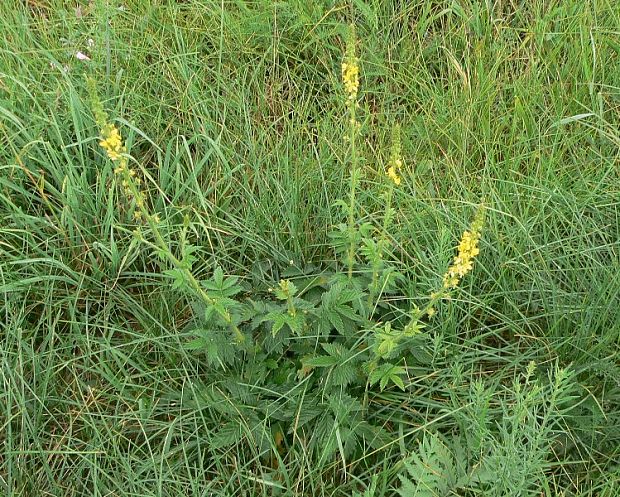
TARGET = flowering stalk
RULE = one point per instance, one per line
(468, 249)
(112, 143)
(286, 291)
(462, 263)
(394, 164)
(396, 161)
(350, 78)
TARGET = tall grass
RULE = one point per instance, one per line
(234, 111)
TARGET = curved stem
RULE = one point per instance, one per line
(189, 277)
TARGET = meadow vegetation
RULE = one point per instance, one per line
(310, 248)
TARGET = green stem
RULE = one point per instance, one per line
(351, 223)
(387, 220)
(190, 278)
(291, 306)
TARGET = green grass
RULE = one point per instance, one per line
(235, 111)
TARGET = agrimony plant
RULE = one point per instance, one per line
(341, 332)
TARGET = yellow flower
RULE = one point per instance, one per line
(395, 162)
(430, 312)
(393, 175)
(350, 78)
(112, 142)
(468, 249)
(350, 68)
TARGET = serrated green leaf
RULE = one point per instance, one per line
(220, 286)
(430, 471)
(304, 414)
(344, 374)
(302, 305)
(208, 313)
(218, 276)
(195, 344)
(227, 436)
(383, 382)
(227, 302)
(279, 320)
(187, 259)
(386, 344)
(230, 282)
(398, 381)
(348, 295)
(376, 436)
(347, 312)
(336, 321)
(178, 277)
(366, 229)
(386, 373)
(334, 349)
(296, 323)
(322, 361)
(375, 376)
(344, 406)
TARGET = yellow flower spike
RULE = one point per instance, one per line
(396, 161)
(350, 78)
(112, 143)
(468, 249)
(430, 312)
(350, 69)
(393, 175)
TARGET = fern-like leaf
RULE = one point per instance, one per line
(430, 472)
